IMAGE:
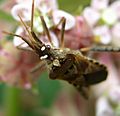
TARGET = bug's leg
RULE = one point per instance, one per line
(84, 92)
(62, 33)
(40, 65)
(101, 49)
(32, 15)
(61, 22)
(105, 49)
(46, 30)
(80, 85)
(86, 49)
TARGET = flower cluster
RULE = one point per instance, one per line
(77, 35)
(77, 32)
(15, 66)
(104, 18)
(98, 24)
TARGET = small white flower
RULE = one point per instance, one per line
(103, 107)
(25, 1)
(18, 41)
(23, 10)
(47, 5)
(116, 34)
(114, 94)
(54, 38)
(91, 15)
(116, 7)
(70, 20)
(103, 33)
(99, 4)
(38, 24)
(109, 16)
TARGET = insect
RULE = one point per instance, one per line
(63, 63)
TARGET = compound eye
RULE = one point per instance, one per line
(48, 46)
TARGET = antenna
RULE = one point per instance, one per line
(46, 29)
(32, 15)
(63, 20)
(28, 42)
(23, 23)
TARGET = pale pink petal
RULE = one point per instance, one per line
(21, 1)
(52, 4)
(116, 34)
(91, 15)
(23, 10)
(116, 7)
(38, 24)
(15, 67)
(109, 16)
(99, 4)
(17, 40)
(49, 4)
(70, 20)
(103, 107)
(103, 33)
(54, 38)
(114, 94)
(79, 36)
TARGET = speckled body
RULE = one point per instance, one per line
(73, 67)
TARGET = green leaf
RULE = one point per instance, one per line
(12, 101)
(2, 86)
(72, 5)
(6, 16)
(1, 1)
(48, 90)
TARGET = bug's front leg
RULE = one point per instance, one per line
(41, 65)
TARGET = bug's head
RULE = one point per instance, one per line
(42, 50)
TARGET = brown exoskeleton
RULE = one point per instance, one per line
(64, 63)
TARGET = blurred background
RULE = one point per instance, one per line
(92, 22)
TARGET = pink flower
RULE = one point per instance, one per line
(99, 4)
(59, 14)
(103, 107)
(44, 7)
(101, 14)
(91, 15)
(116, 34)
(102, 33)
(70, 104)
(15, 66)
(116, 7)
(79, 36)
(51, 18)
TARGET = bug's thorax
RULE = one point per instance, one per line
(56, 54)
(63, 63)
